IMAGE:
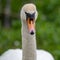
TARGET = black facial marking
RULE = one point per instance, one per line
(31, 16)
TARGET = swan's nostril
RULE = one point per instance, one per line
(32, 32)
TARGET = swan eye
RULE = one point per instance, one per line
(26, 13)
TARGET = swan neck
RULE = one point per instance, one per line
(28, 45)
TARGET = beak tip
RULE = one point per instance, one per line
(32, 32)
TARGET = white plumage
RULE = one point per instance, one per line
(16, 54)
(28, 42)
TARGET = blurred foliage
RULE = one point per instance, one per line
(48, 22)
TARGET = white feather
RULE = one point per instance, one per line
(16, 54)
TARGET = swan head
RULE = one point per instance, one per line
(28, 16)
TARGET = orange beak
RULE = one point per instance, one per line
(31, 26)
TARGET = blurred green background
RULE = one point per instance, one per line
(47, 26)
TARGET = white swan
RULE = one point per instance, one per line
(28, 17)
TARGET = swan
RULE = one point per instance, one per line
(28, 15)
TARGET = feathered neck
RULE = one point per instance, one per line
(28, 44)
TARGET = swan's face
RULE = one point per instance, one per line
(29, 15)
